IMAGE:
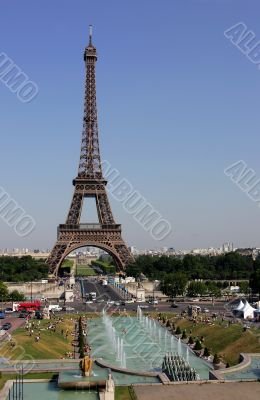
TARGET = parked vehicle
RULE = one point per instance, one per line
(9, 310)
(55, 307)
(2, 314)
(67, 308)
(7, 326)
(93, 295)
(153, 302)
(29, 306)
(38, 315)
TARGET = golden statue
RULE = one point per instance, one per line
(86, 366)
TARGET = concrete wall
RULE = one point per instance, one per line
(50, 290)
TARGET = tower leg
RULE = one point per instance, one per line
(56, 256)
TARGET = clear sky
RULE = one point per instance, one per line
(178, 103)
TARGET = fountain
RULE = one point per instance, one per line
(86, 366)
(187, 354)
(171, 343)
(139, 313)
(116, 341)
(177, 369)
(179, 346)
(165, 338)
(141, 343)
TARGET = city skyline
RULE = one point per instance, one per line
(207, 94)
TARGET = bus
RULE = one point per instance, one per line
(29, 306)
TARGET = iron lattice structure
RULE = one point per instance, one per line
(89, 183)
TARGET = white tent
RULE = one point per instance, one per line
(240, 306)
(247, 311)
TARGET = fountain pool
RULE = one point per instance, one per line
(138, 343)
(49, 390)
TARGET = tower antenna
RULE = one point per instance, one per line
(90, 34)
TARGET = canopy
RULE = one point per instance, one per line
(247, 310)
(240, 306)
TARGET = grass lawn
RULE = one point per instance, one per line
(51, 345)
(228, 341)
(46, 375)
(66, 263)
(122, 393)
(84, 270)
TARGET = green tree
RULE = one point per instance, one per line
(198, 345)
(184, 335)
(255, 282)
(244, 287)
(16, 296)
(3, 291)
(178, 330)
(206, 352)
(213, 289)
(191, 341)
(216, 359)
(174, 284)
(197, 288)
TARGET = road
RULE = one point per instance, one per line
(108, 293)
(14, 320)
(105, 293)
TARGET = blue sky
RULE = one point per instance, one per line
(177, 101)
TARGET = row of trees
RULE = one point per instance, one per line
(23, 269)
(106, 267)
(81, 339)
(175, 273)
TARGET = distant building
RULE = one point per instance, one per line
(227, 247)
(246, 252)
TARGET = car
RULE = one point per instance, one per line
(7, 326)
(122, 303)
(173, 305)
(100, 300)
(38, 315)
(9, 310)
(206, 310)
(110, 302)
(144, 306)
(24, 314)
(67, 308)
(55, 307)
(117, 303)
(89, 302)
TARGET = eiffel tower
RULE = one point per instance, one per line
(89, 183)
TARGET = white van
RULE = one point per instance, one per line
(93, 295)
(55, 307)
